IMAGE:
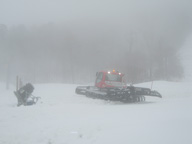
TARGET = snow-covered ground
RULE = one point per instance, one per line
(62, 117)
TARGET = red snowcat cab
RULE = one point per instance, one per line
(109, 85)
(109, 79)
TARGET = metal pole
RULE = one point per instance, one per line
(17, 83)
(151, 85)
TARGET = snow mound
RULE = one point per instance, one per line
(170, 89)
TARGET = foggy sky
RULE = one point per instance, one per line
(30, 12)
(147, 32)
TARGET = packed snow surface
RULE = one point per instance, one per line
(63, 117)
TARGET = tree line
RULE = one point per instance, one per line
(73, 52)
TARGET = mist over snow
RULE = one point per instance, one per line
(58, 45)
(186, 59)
(44, 41)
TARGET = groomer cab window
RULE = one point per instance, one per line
(99, 77)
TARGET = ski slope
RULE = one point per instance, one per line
(62, 117)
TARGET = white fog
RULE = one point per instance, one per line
(95, 71)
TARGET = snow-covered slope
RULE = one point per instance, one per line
(62, 117)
